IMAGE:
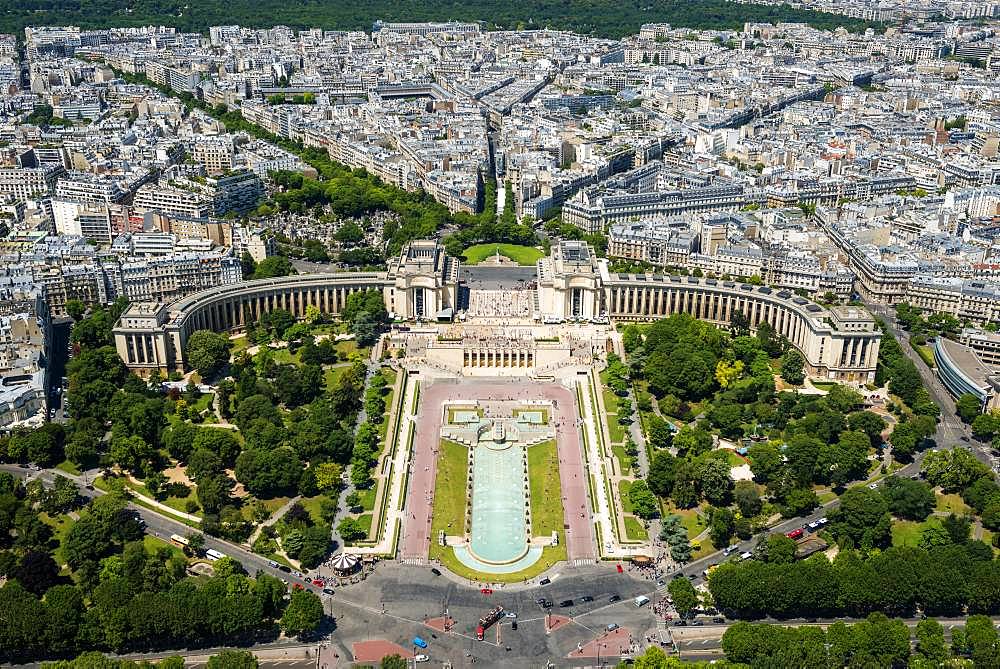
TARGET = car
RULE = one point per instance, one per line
(544, 603)
(435, 571)
(823, 521)
(544, 581)
(566, 603)
(513, 624)
(794, 534)
(697, 623)
(297, 574)
(272, 564)
(614, 598)
(486, 591)
(285, 568)
(728, 550)
(319, 583)
(586, 598)
(511, 614)
(681, 623)
(873, 486)
(812, 526)
(719, 620)
(661, 583)
(327, 591)
(421, 658)
(612, 627)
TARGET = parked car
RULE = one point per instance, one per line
(586, 598)
(421, 658)
(435, 571)
(566, 603)
(612, 627)
(544, 581)
(614, 598)
(327, 591)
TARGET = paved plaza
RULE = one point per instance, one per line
(420, 497)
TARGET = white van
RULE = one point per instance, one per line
(641, 600)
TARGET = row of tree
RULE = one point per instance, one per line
(876, 641)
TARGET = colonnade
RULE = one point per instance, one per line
(505, 358)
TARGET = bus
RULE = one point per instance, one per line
(214, 555)
(179, 541)
(487, 621)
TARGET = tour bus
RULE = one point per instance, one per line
(487, 621)
(178, 540)
(214, 555)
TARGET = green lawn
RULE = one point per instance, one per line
(634, 529)
(522, 255)
(202, 403)
(238, 344)
(365, 523)
(905, 533)
(616, 432)
(60, 528)
(823, 385)
(610, 401)
(311, 504)
(550, 555)
(449, 493)
(546, 492)
(68, 467)
(624, 461)
(952, 504)
(332, 374)
(692, 520)
(282, 356)
(368, 498)
(154, 544)
(925, 352)
(177, 503)
(623, 489)
(390, 379)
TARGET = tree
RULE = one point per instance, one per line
(765, 461)
(660, 434)
(303, 614)
(328, 476)
(207, 352)
(953, 469)
(780, 549)
(661, 473)
(75, 309)
(692, 440)
(683, 595)
(930, 642)
(714, 481)
(968, 407)
(643, 501)
(747, 498)
(233, 659)
(863, 518)
(721, 527)
(350, 530)
(393, 662)
(792, 367)
(131, 452)
(911, 500)
(272, 267)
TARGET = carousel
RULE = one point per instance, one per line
(345, 564)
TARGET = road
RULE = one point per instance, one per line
(951, 431)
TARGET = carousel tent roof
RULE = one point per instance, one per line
(344, 562)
